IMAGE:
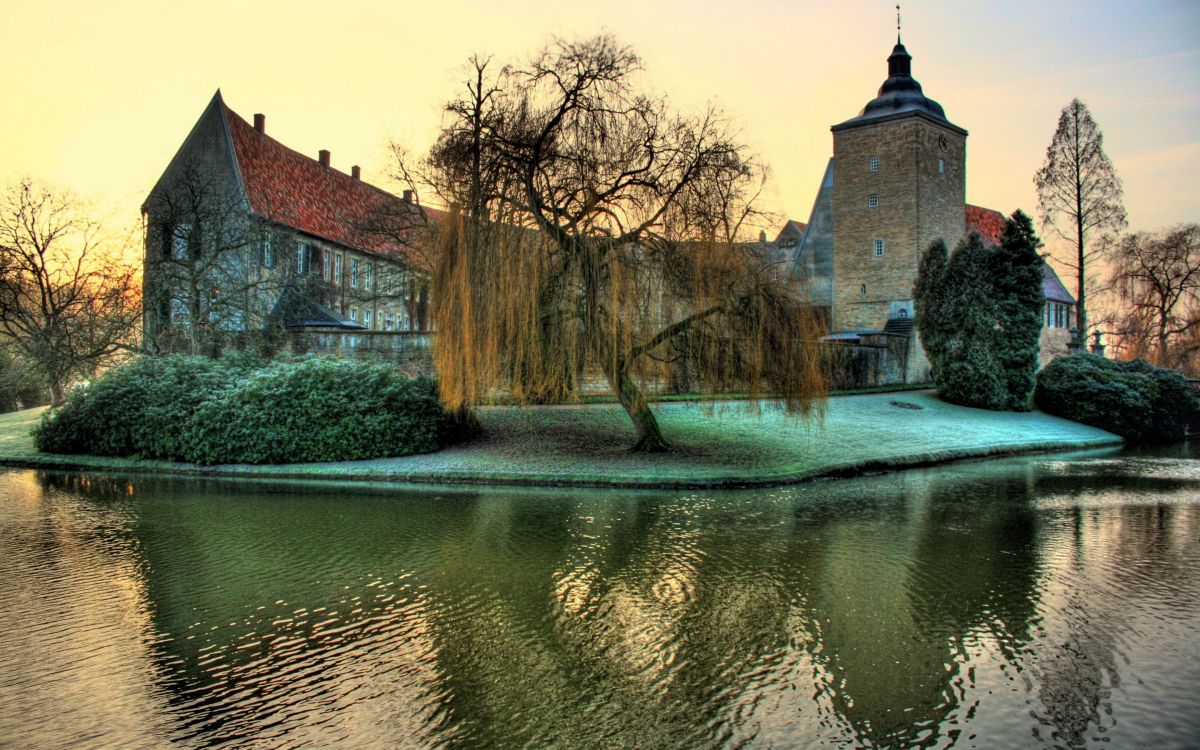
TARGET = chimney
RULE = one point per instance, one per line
(323, 157)
(762, 236)
(355, 172)
(408, 196)
(260, 123)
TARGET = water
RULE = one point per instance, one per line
(1035, 602)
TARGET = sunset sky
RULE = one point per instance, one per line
(100, 95)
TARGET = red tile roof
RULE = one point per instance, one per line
(987, 222)
(289, 188)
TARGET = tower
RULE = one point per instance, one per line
(899, 183)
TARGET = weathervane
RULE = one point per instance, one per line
(897, 23)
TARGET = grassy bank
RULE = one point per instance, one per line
(722, 444)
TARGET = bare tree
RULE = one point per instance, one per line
(208, 263)
(68, 303)
(592, 224)
(1079, 192)
(1156, 277)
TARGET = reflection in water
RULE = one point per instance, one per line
(1052, 602)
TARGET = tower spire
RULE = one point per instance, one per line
(897, 23)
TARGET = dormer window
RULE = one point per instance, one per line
(874, 161)
(872, 201)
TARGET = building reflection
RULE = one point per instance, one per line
(596, 618)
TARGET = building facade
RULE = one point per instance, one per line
(895, 184)
(244, 235)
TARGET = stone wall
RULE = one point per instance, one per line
(921, 190)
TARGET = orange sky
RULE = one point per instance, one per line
(100, 95)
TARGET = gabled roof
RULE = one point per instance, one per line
(988, 222)
(295, 310)
(289, 188)
(1052, 287)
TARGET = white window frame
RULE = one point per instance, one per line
(879, 248)
(873, 200)
(873, 163)
(301, 258)
(367, 317)
(941, 166)
(268, 253)
(354, 273)
(337, 269)
(369, 282)
(354, 314)
(325, 266)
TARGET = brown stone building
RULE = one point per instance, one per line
(895, 184)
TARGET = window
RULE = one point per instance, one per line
(370, 280)
(902, 313)
(268, 257)
(337, 270)
(179, 242)
(872, 201)
(874, 163)
(878, 248)
(325, 266)
(863, 290)
(301, 259)
(367, 318)
(941, 166)
(354, 314)
(390, 323)
(354, 273)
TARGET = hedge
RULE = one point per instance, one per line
(1139, 402)
(239, 410)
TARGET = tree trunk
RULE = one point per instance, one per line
(58, 392)
(650, 438)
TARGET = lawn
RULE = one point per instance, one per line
(721, 444)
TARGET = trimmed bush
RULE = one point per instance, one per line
(1139, 402)
(235, 410)
(138, 409)
(319, 409)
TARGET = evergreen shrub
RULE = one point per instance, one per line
(139, 408)
(1139, 402)
(319, 409)
(239, 410)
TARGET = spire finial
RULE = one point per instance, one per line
(897, 23)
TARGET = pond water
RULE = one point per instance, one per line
(1048, 601)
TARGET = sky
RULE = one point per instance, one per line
(99, 96)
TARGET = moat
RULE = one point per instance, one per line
(1047, 601)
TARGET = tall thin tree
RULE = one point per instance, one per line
(1079, 192)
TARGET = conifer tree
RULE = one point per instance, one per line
(1016, 278)
(1079, 192)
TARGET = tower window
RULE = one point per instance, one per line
(874, 163)
(878, 248)
(872, 201)
(941, 166)
(863, 290)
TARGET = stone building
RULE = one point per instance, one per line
(895, 184)
(244, 234)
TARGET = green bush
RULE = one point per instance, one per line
(1139, 402)
(979, 317)
(319, 409)
(138, 408)
(236, 410)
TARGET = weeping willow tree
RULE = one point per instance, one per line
(592, 227)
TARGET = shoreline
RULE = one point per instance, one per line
(716, 445)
